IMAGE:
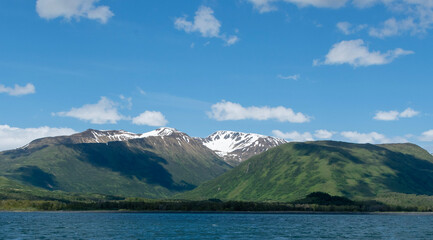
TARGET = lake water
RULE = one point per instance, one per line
(79, 225)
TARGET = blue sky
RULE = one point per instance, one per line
(350, 70)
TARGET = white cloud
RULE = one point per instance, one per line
(417, 17)
(344, 27)
(355, 53)
(18, 90)
(386, 116)
(68, 9)
(392, 27)
(319, 3)
(231, 40)
(293, 136)
(206, 24)
(350, 136)
(372, 137)
(13, 137)
(224, 110)
(323, 134)
(105, 111)
(395, 115)
(263, 6)
(427, 136)
(150, 118)
(347, 28)
(408, 113)
(365, 3)
(289, 77)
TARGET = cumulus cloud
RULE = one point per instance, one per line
(347, 28)
(289, 77)
(105, 111)
(68, 9)
(372, 137)
(408, 113)
(150, 118)
(293, 136)
(13, 137)
(225, 110)
(365, 3)
(344, 27)
(417, 18)
(350, 136)
(395, 115)
(392, 27)
(206, 24)
(356, 53)
(386, 116)
(263, 6)
(323, 134)
(427, 136)
(319, 3)
(410, 16)
(18, 90)
(231, 40)
(296, 136)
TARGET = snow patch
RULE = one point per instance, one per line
(160, 132)
(224, 143)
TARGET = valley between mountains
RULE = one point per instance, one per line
(167, 164)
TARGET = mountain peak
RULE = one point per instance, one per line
(104, 136)
(236, 147)
(161, 132)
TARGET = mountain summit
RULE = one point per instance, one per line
(236, 147)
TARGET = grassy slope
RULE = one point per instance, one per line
(118, 168)
(291, 171)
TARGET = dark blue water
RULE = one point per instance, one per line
(58, 225)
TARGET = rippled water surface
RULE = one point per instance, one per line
(78, 225)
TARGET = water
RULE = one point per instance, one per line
(79, 225)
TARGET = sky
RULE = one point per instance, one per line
(346, 70)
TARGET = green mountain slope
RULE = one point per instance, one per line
(291, 171)
(153, 167)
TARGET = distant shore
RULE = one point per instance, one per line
(223, 212)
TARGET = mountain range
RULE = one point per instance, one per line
(167, 163)
(154, 164)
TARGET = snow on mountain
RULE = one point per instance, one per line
(160, 132)
(167, 132)
(235, 147)
(110, 136)
(104, 136)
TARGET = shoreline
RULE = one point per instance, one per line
(224, 212)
